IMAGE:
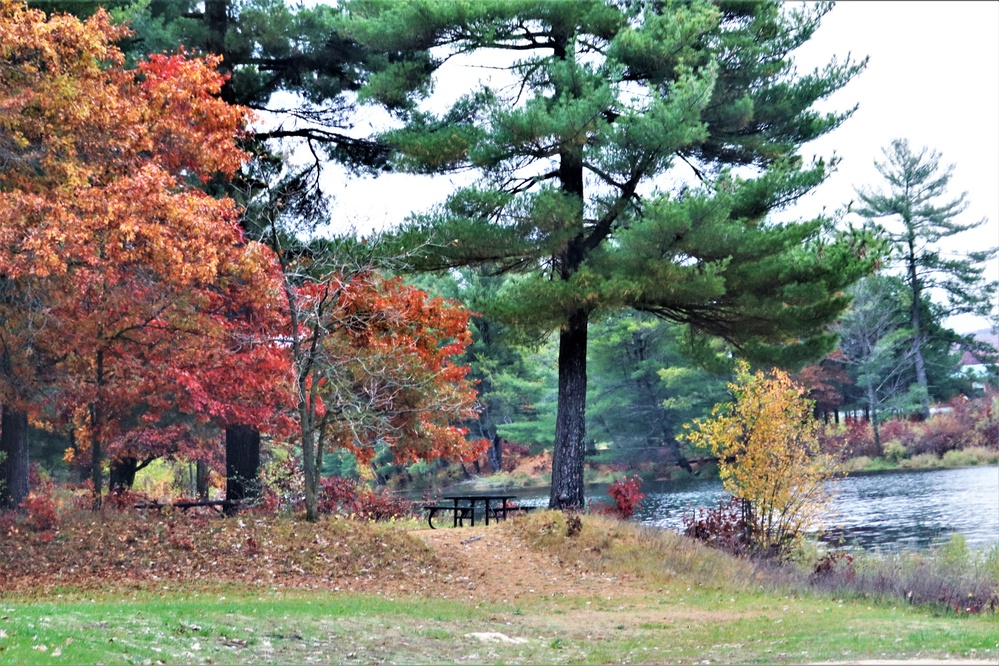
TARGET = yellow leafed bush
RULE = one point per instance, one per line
(769, 457)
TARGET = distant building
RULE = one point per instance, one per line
(973, 365)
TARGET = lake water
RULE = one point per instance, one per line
(887, 510)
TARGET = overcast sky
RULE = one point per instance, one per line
(933, 78)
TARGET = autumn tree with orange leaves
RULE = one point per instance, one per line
(374, 361)
(127, 291)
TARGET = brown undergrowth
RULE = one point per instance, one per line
(137, 549)
(540, 555)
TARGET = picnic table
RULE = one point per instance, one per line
(462, 508)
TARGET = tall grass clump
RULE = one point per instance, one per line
(604, 543)
(950, 576)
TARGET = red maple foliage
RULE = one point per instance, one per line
(387, 372)
(136, 300)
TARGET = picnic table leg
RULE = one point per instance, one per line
(430, 518)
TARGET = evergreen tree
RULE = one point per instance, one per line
(874, 340)
(513, 372)
(645, 382)
(583, 150)
(915, 213)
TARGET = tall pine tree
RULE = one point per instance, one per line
(629, 160)
(915, 213)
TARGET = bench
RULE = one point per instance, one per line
(216, 505)
(461, 513)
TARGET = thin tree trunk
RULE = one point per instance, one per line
(311, 475)
(570, 424)
(872, 406)
(917, 330)
(96, 426)
(201, 479)
(242, 464)
(14, 484)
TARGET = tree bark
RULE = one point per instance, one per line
(14, 484)
(201, 479)
(311, 474)
(872, 406)
(121, 475)
(570, 424)
(242, 464)
(917, 326)
(96, 424)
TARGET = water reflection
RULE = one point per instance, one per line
(888, 510)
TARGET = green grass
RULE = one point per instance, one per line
(241, 626)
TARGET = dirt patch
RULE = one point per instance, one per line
(534, 466)
(493, 564)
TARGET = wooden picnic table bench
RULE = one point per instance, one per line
(462, 507)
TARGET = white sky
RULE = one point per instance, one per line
(933, 78)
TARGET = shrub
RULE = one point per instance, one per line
(894, 450)
(939, 434)
(769, 457)
(41, 512)
(723, 527)
(283, 485)
(345, 497)
(859, 438)
(949, 576)
(513, 454)
(626, 495)
(898, 430)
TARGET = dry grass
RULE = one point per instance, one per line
(658, 557)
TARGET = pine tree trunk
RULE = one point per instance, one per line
(570, 424)
(14, 485)
(242, 464)
(917, 329)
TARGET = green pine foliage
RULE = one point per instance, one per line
(628, 159)
(914, 212)
(646, 381)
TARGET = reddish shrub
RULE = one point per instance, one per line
(41, 510)
(898, 430)
(513, 453)
(626, 495)
(723, 527)
(986, 426)
(940, 434)
(860, 439)
(125, 500)
(343, 496)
